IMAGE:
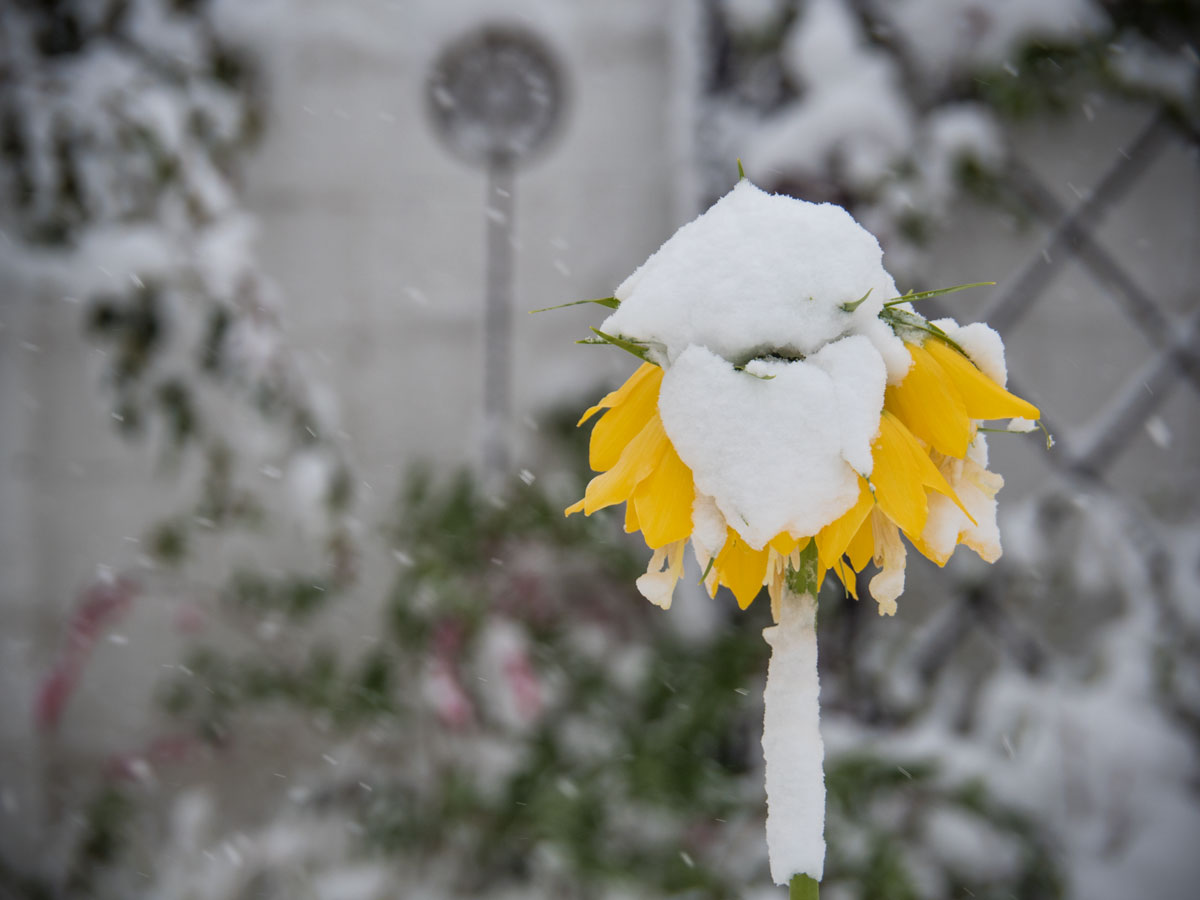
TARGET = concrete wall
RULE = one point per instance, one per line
(375, 231)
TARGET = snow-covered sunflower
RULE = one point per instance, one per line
(786, 404)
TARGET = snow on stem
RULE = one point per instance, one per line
(792, 748)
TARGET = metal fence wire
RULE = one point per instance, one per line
(1072, 238)
(1085, 455)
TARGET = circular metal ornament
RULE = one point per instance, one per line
(496, 95)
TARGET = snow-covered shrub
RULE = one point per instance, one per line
(893, 109)
(124, 125)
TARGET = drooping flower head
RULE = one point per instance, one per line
(786, 405)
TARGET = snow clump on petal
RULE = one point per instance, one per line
(776, 455)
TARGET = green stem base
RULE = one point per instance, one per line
(803, 888)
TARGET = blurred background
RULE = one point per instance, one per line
(289, 606)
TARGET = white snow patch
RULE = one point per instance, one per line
(858, 375)
(982, 344)
(759, 273)
(770, 453)
(951, 135)
(793, 752)
(1138, 63)
(364, 881)
(944, 36)
(752, 15)
(1159, 431)
(708, 526)
(852, 106)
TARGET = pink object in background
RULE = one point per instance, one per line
(103, 604)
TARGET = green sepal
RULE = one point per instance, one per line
(610, 302)
(1046, 432)
(707, 569)
(803, 579)
(851, 305)
(639, 350)
(741, 171)
(1040, 427)
(925, 295)
(902, 318)
(803, 888)
(753, 374)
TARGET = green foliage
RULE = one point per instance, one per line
(680, 748)
(295, 596)
(1044, 78)
(851, 305)
(881, 813)
(167, 542)
(606, 302)
(132, 327)
(213, 688)
(222, 500)
(1049, 77)
(106, 820)
(454, 537)
(678, 733)
(636, 767)
(638, 349)
(803, 579)
(14, 883)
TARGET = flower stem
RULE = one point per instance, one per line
(793, 752)
(803, 888)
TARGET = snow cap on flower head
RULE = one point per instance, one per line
(760, 273)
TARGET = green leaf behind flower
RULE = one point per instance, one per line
(851, 305)
(639, 350)
(899, 319)
(912, 296)
(610, 302)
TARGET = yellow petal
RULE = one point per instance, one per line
(930, 405)
(777, 565)
(890, 556)
(573, 508)
(862, 546)
(632, 406)
(741, 569)
(663, 501)
(926, 550)
(982, 397)
(637, 461)
(783, 543)
(901, 471)
(896, 476)
(631, 520)
(618, 396)
(834, 538)
(847, 576)
(662, 574)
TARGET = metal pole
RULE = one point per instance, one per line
(497, 319)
